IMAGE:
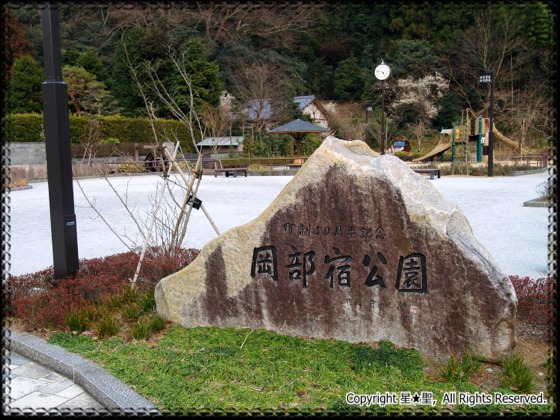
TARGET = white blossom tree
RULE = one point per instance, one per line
(415, 103)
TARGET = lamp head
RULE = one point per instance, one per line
(486, 76)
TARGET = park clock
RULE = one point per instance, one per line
(382, 71)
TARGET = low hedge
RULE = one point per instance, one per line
(29, 128)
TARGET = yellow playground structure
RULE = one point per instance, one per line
(469, 140)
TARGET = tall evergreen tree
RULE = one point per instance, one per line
(318, 39)
(86, 94)
(24, 92)
(77, 79)
(348, 79)
(413, 58)
(204, 76)
(90, 61)
(138, 45)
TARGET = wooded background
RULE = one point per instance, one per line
(277, 50)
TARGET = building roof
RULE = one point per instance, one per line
(262, 110)
(221, 141)
(303, 101)
(298, 126)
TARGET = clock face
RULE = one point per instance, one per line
(382, 71)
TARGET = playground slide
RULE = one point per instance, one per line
(497, 135)
(508, 142)
(438, 149)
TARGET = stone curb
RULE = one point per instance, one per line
(528, 172)
(537, 203)
(109, 391)
(23, 187)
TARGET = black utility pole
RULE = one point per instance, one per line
(59, 157)
(488, 77)
(491, 132)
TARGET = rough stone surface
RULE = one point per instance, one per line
(357, 247)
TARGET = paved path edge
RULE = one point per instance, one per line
(102, 386)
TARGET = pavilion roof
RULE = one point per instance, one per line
(298, 126)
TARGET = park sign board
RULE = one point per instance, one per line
(356, 247)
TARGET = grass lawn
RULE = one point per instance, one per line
(196, 370)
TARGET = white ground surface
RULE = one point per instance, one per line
(516, 236)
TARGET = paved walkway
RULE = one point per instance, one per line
(42, 378)
(33, 387)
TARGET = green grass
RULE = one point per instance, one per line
(517, 376)
(107, 325)
(208, 367)
(194, 370)
(460, 369)
(147, 325)
(79, 320)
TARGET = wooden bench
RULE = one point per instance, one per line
(431, 171)
(540, 160)
(230, 171)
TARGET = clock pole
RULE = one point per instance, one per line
(383, 118)
(382, 72)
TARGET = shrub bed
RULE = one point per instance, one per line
(41, 302)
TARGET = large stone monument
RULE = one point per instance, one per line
(357, 247)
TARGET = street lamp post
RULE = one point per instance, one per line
(59, 156)
(488, 77)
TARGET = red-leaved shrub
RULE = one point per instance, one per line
(535, 298)
(41, 302)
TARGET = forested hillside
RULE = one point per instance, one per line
(278, 50)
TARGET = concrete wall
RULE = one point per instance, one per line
(27, 153)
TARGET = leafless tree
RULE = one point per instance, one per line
(496, 41)
(166, 224)
(529, 107)
(192, 121)
(218, 120)
(258, 89)
(277, 23)
(532, 116)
